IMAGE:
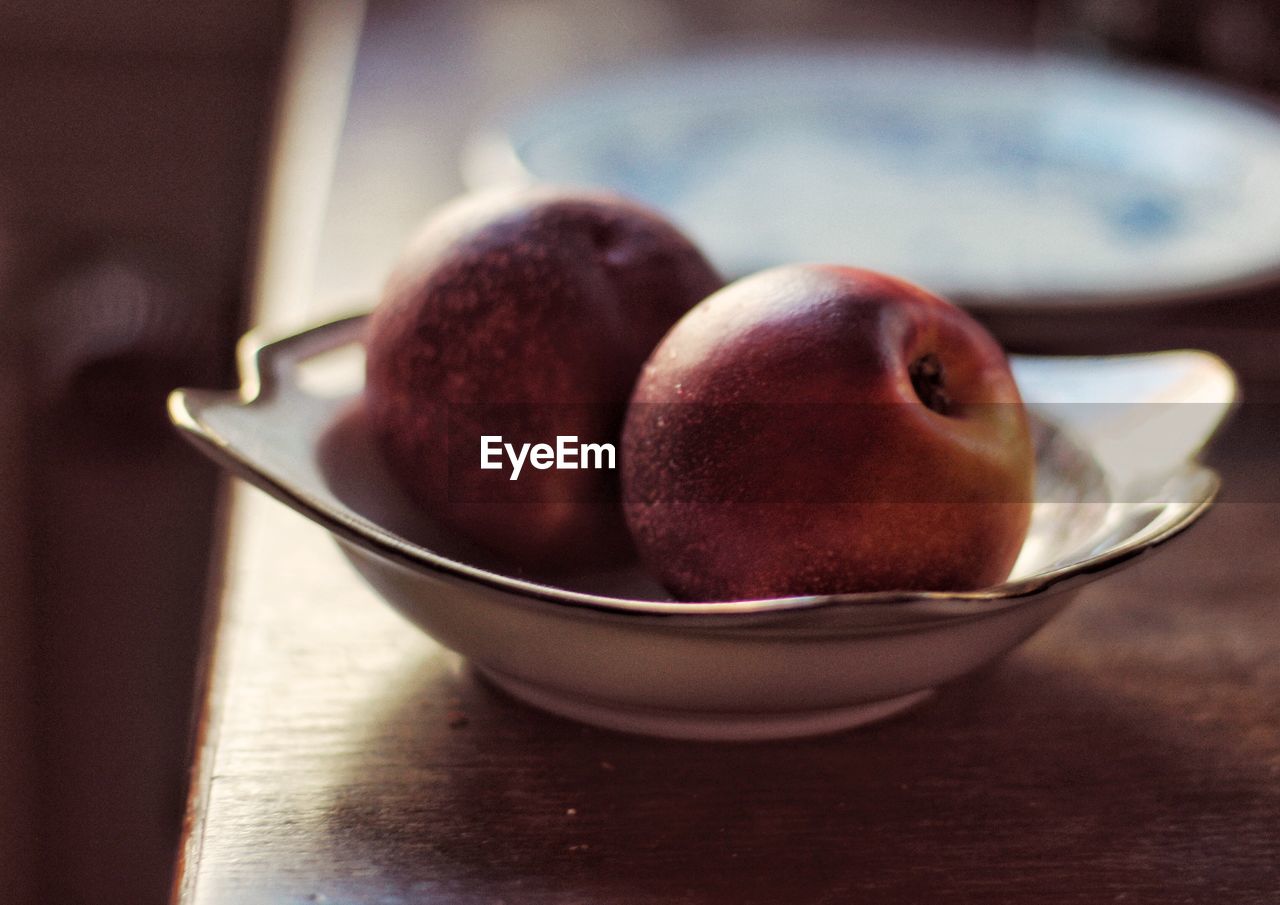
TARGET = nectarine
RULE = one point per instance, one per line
(523, 316)
(820, 429)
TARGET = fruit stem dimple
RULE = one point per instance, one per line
(928, 382)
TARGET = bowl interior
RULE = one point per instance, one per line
(1071, 512)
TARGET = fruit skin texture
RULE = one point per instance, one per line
(777, 445)
(525, 314)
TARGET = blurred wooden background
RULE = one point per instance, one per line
(131, 157)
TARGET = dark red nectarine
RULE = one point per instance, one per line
(820, 429)
(524, 315)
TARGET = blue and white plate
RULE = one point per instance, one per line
(1004, 179)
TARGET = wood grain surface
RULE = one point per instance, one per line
(1130, 752)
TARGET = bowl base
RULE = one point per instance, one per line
(697, 725)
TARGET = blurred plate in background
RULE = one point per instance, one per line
(1011, 182)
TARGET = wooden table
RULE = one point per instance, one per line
(1129, 753)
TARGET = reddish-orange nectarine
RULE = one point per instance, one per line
(821, 429)
(523, 315)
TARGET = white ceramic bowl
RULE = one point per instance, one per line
(1116, 449)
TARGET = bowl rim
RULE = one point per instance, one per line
(264, 370)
